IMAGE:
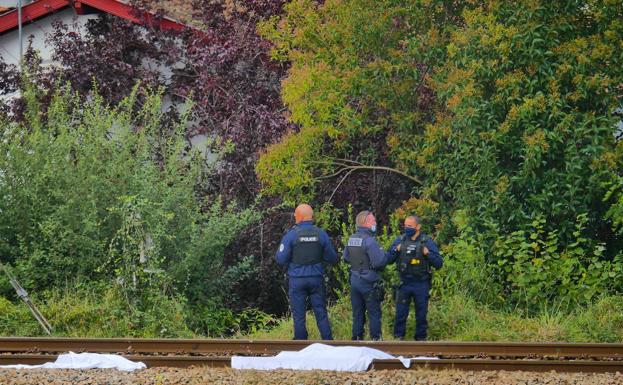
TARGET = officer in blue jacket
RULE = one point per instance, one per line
(303, 249)
(366, 260)
(416, 254)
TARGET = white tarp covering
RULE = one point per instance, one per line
(85, 361)
(318, 357)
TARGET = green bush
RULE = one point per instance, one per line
(216, 321)
(615, 212)
(537, 268)
(528, 268)
(94, 193)
(467, 271)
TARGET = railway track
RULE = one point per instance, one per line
(560, 357)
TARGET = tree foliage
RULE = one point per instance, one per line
(503, 110)
(357, 88)
(528, 127)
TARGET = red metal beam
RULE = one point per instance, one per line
(41, 8)
(128, 12)
(31, 12)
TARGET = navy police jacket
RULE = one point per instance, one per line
(284, 254)
(375, 253)
(434, 257)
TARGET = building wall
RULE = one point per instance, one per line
(13, 3)
(9, 53)
(9, 41)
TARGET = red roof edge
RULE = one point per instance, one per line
(128, 12)
(40, 8)
(31, 12)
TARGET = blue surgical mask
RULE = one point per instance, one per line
(373, 228)
(409, 231)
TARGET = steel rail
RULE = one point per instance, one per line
(150, 361)
(260, 347)
(441, 364)
(508, 365)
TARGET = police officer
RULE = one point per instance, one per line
(366, 259)
(303, 249)
(415, 254)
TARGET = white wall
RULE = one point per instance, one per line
(9, 41)
(13, 3)
(9, 50)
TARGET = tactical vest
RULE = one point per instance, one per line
(307, 249)
(412, 259)
(359, 259)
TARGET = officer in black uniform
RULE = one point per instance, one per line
(416, 254)
(366, 259)
(303, 249)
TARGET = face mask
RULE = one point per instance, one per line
(409, 231)
(373, 228)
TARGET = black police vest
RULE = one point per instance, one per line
(307, 249)
(359, 259)
(412, 259)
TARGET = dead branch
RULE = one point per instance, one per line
(348, 166)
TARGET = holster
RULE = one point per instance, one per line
(378, 290)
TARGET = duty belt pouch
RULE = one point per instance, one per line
(421, 276)
(395, 289)
(378, 290)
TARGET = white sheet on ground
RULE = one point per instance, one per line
(85, 361)
(318, 357)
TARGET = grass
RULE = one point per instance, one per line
(91, 313)
(460, 318)
(457, 317)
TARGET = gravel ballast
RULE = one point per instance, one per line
(175, 376)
